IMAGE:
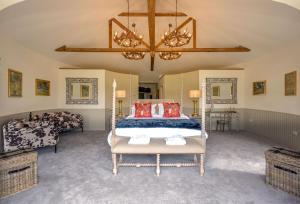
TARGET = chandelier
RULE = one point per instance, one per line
(170, 55)
(176, 38)
(129, 39)
(134, 55)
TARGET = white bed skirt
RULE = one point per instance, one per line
(155, 132)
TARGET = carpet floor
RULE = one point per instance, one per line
(80, 173)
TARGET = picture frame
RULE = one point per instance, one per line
(15, 83)
(211, 82)
(76, 92)
(42, 87)
(290, 84)
(259, 87)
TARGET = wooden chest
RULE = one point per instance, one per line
(18, 171)
(283, 170)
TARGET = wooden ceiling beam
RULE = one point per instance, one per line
(110, 34)
(157, 14)
(152, 62)
(230, 49)
(69, 49)
(151, 25)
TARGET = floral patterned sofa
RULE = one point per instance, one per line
(65, 121)
(22, 134)
(41, 132)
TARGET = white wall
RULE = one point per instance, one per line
(176, 86)
(272, 68)
(33, 66)
(239, 74)
(99, 74)
(93, 115)
(127, 82)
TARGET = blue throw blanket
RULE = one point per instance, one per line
(159, 123)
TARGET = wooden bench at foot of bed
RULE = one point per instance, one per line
(194, 146)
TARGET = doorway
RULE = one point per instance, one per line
(148, 91)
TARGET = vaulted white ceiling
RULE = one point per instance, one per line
(261, 25)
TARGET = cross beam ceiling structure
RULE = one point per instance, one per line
(152, 47)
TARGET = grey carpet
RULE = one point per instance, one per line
(81, 173)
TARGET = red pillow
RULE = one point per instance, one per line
(171, 110)
(143, 110)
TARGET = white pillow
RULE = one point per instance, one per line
(160, 109)
(153, 109)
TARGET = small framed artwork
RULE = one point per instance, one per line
(216, 90)
(14, 83)
(259, 87)
(42, 87)
(84, 91)
(290, 84)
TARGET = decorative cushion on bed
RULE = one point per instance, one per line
(154, 109)
(171, 110)
(143, 110)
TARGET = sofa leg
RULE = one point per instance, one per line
(55, 149)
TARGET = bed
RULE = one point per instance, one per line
(159, 130)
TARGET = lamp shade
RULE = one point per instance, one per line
(194, 94)
(120, 93)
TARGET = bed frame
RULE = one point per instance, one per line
(194, 145)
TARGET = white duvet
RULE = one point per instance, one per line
(156, 132)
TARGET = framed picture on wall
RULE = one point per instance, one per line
(290, 84)
(216, 91)
(259, 87)
(14, 83)
(84, 91)
(42, 87)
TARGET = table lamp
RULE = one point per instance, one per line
(195, 95)
(120, 94)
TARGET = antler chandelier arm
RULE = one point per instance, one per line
(176, 29)
(129, 31)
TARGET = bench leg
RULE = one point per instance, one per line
(157, 164)
(202, 156)
(114, 160)
(195, 159)
(55, 149)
